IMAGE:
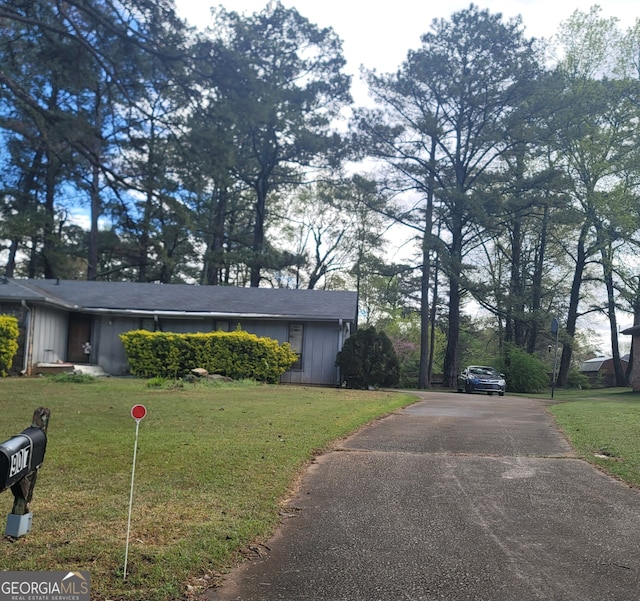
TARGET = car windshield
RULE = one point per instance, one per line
(484, 371)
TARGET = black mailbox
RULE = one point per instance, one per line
(21, 455)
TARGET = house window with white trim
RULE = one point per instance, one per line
(149, 324)
(296, 339)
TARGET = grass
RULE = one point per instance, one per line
(603, 426)
(213, 465)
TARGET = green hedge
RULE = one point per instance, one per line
(238, 355)
(9, 333)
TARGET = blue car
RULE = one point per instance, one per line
(480, 378)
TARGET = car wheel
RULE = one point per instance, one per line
(467, 387)
(501, 393)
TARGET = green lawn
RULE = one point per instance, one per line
(213, 465)
(604, 428)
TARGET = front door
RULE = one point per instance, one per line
(79, 344)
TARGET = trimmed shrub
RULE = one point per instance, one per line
(237, 355)
(578, 380)
(367, 359)
(72, 378)
(9, 333)
(524, 372)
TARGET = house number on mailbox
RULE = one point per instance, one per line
(19, 461)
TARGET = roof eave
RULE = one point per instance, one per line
(207, 314)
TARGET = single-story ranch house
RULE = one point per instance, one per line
(600, 370)
(79, 322)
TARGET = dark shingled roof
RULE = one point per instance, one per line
(632, 330)
(90, 296)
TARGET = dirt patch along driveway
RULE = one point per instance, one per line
(458, 497)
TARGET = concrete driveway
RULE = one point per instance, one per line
(458, 497)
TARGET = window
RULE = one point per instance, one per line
(296, 335)
(222, 326)
(148, 323)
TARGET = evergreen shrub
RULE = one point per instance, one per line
(237, 355)
(9, 333)
(578, 380)
(524, 372)
(367, 359)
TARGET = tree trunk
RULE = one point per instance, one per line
(214, 256)
(10, 267)
(606, 252)
(426, 342)
(572, 314)
(514, 330)
(450, 374)
(432, 318)
(96, 204)
(424, 380)
(49, 243)
(536, 285)
(144, 238)
(453, 333)
(92, 267)
(258, 234)
(24, 204)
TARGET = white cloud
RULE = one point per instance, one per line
(380, 37)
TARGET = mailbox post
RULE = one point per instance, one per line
(20, 459)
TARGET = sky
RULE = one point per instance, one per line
(380, 38)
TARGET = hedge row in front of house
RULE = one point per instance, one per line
(238, 355)
(9, 333)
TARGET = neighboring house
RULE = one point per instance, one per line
(600, 370)
(79, 322)
(634, 377)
